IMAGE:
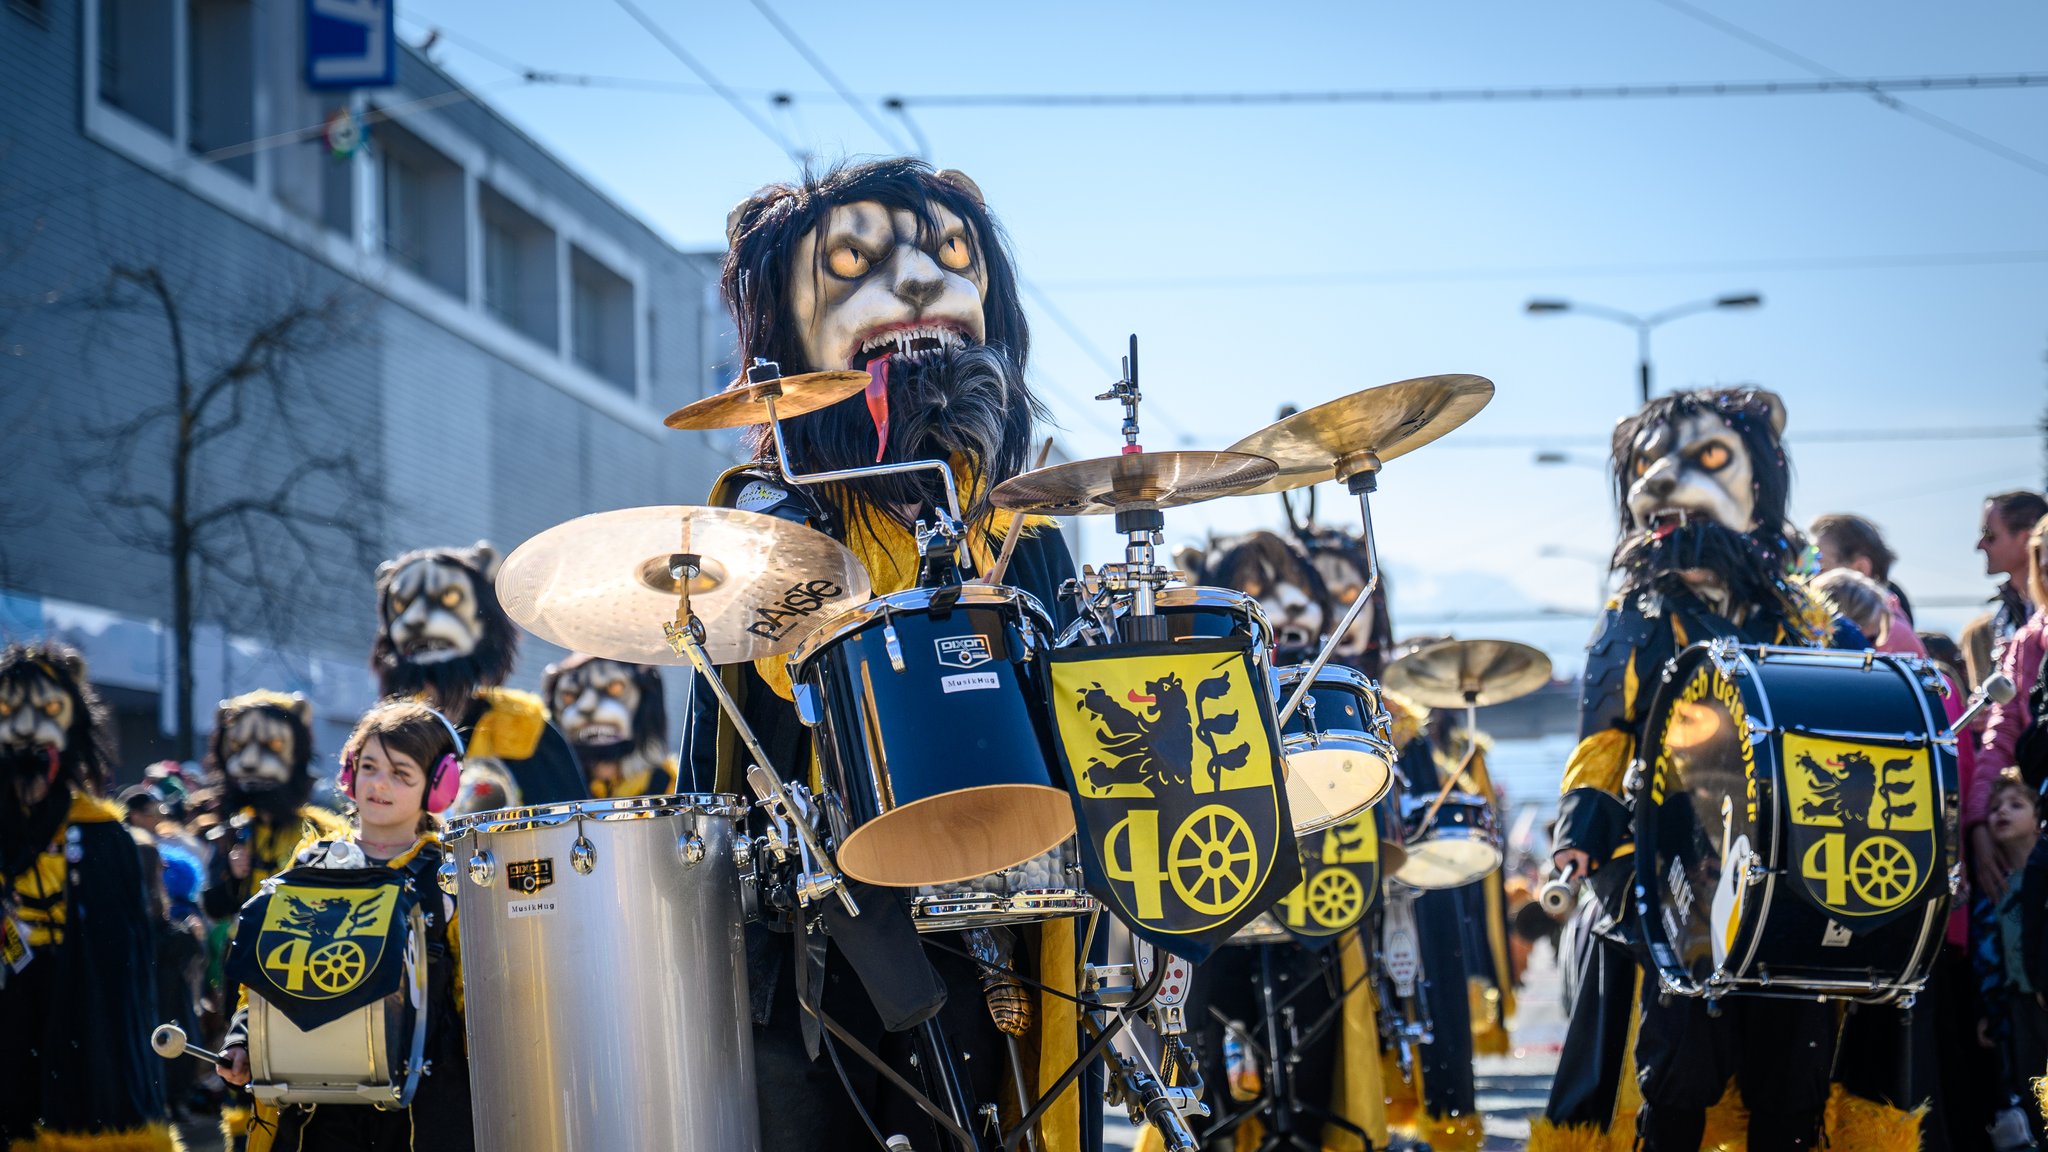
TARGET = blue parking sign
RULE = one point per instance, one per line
(351, 44)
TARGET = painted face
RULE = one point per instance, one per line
(595, 703)
(258, 750)
(431, 612)
(1345, 582)
(1696, 466)
(863, 285)
(35, 716)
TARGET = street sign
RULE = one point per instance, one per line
(351, 44)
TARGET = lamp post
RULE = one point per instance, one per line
(1643, 324)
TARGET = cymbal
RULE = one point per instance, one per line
(1454, 673)
(1335, 440)
(743, 404)
(1138, 480)
(601, 583)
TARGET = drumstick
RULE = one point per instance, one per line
(1010, 538)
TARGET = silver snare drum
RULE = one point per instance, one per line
(605, 975)
(1040, 888)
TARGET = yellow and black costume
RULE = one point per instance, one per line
(77, 960)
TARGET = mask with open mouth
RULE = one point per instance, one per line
(1279, 575)
(262, 747)
(440, 627)
(54, 736)
(609, 711)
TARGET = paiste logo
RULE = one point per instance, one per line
(773, 621)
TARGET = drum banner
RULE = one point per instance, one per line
(1340, 871)
(319, 943)
(1863, 820)
(1172, 757)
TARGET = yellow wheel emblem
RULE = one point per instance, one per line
(1882, 871)
(337, 967)
(1212, 860)
(1335, 897)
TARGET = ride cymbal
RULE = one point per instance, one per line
(1359, 432)
(743, 404)
(602, 583)
(1107, 484)
(1455, 673)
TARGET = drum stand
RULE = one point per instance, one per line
(1278, 1105)
(1360, 472)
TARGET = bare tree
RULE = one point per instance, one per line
(252, 538)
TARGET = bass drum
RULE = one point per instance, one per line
(605, 973)
(1794, 823)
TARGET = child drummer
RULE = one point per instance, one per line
(400, 767)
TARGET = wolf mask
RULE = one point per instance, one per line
(610, 711)
(262, 747)
(440, 628)
(54, 737)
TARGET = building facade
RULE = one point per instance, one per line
(481, 344)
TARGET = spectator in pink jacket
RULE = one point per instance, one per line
(2022, 662)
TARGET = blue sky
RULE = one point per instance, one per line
(1297, 253)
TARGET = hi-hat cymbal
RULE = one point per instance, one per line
(1336, 440)
(602, 584)
(744, 404)
(1138, 480)
(1454, 673)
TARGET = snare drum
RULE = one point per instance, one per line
(606, 974)
(929, 714)
(1793, 815)
(372, 1055)
(1460, 846)
(1040, 888)
(1339, 754)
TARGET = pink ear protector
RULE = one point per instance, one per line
(442, 789)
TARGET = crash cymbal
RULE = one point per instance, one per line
(1348, 435)
(743, 404)
(1454, 673)
(1139, 480)
(601, 583)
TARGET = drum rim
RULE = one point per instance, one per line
(533, 816)
(910, 600)
(1350, 677)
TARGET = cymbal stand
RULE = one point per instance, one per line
(1464, 762)
(1360, 472)
(942, 538)
(1140, 522)
(816, 878)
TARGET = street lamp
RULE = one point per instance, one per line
(1643, 324)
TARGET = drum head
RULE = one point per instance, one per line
(1333, 782)
(1448, 861)
(957, 836)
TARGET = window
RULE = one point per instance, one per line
(601, 319)
(221, 64)
(519, 269)
(423, 209)
(136, 65)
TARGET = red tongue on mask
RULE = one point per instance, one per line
(877, 393)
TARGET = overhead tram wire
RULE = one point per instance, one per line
(1880, 93)
(795, 154)
(1108, 366)
(818, 65)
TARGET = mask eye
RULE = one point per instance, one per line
(276, 746)
(955, 254)
(1642, 465)
(53, 707)
(847, 263)
(615, 688)
(1714, 457)
(6, 709)
(451, 597)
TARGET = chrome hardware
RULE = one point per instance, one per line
(743, 852)
(893, 644)
(482, 868)
(807, 707)
(691, 846)
(582, 855)
(448, 876)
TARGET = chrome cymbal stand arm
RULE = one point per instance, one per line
(686, 637)
(1362, 483)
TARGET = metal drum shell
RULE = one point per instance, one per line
(618, 1016)
(1462, 845)
(1779, 941)
(1351, 721)
(1008, 896)
(926, 783)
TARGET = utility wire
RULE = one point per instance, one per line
(1811, 436)
(1876, 91)
(818, 65)
(1834, 84)
(1109, 367)
(727, 94)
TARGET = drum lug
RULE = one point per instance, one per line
(1753, 871)
(1758, 730)
(448, 876)
(691, 848)
(893, 644)
(482, 868)
(582, 855)
(742, 853)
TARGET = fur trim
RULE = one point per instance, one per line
(149, 1138)
(1547, 1137)
(1871, 1125)
(1466, 1133)
(2040, 1086)
(234, 1123)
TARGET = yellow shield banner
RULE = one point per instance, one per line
(1862, 824)
(320, 943)
(1172, 757)
(1340, 879)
